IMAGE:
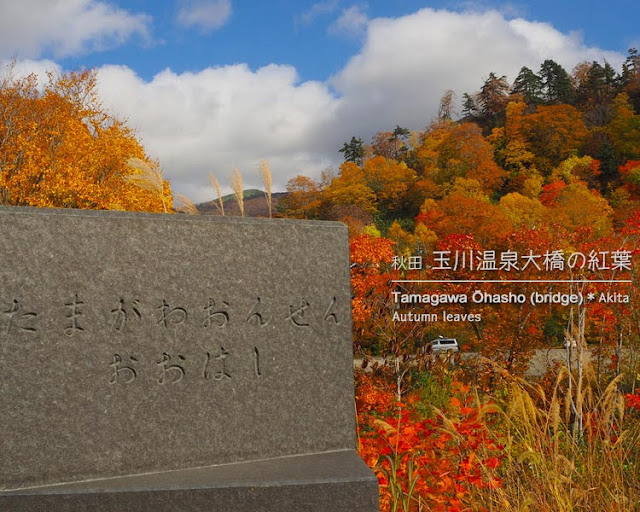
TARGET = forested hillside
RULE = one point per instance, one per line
(546, 165)
(515, 228)
(529, 146)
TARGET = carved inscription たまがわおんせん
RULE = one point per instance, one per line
(20, 319)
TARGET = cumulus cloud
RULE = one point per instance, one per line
(232, 116)
(207, 15)
(32, 28)
(221, 118)
(352, 22)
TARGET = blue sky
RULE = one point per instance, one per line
(210, 85)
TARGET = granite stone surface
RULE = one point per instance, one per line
(332, 481)
(138, 344)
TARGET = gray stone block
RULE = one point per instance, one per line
(134, 345)
(332, 481)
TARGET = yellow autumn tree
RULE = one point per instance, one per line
(577, 206)
(60, 148)
(350, 189)
(523, 212)
(389, 180)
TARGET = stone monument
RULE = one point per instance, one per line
(176, 363)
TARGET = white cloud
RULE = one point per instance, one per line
(206, 15)
(352, 22)
(32, 28)
(232, 116)
(221, 118)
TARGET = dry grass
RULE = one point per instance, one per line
(236, 185)
(551, 464)
(147, 177)
(183, 204)
(265, 172)
(219, 204)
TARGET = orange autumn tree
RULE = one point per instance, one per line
(553, 134)
(303, 199)
(575, 205)
(371, 277)
(60, 148)
(350, 189)
(465, 210)
(449, 151)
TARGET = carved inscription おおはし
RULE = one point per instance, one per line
(121, 333)
(168, 317)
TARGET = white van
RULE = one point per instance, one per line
(443, 344)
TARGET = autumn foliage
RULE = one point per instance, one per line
(549, 167)
(60, 148)
(426, 463)
(515, 450)
(370, 256)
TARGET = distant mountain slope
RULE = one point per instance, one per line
(255, 204)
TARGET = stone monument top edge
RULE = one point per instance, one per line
(171, 217)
